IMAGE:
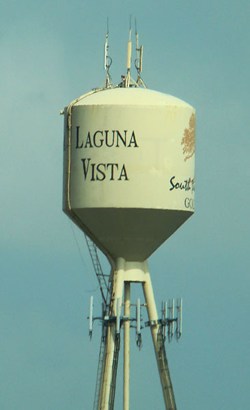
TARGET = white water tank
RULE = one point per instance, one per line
(129, 168)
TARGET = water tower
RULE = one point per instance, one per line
(129, 185)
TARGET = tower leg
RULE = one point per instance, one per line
(126, 358)
(124, 274)
(156, 332)
(117, 294)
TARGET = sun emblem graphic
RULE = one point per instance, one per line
(188, 140)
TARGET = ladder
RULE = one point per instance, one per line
(102, 279)
(105, 288)
(114, 372)
(162, 362)
(100, 369)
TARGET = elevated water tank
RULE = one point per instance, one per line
(129, 168)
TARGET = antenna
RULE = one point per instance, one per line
(107, 58)
(171, 319)
(118, 315)
(91, 304)
(164, 318)
(129, 55)
(138, 324)
(179, 319)
(139, 52)
(139, 57)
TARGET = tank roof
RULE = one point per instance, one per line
(129, 96)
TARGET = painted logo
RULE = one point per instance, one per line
(188, 140)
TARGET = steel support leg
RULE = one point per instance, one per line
(126, 356)
(167, 388)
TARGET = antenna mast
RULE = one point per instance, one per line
(138, 61)
(129, 56)
(107, 59)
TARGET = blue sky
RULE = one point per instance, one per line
(51, 52)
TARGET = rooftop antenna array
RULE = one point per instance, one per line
(127, 80)
(114, 137)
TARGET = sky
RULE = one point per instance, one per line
(52, 52)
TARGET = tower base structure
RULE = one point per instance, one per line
(124, 274)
